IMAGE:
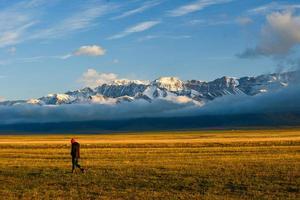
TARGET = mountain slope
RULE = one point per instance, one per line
(168, 88)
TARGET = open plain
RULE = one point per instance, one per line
(244, 164)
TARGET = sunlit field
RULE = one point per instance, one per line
(261, 164)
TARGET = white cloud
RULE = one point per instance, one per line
(195, 6)
(13, 17)
(143, 26)
(279, 36)
(17, 19)
(91, 50)
(14, 36)
(12, 26)
(35, 59)
(64, 57)
(22, 21)
(92, 78)
(79, 21)
(211, 22)
(41, 58)
(9, 38)
(272, 7)
(144, 7)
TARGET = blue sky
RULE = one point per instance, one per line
(49, 46)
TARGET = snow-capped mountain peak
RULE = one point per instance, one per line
(56, 99)
(33, 101)
(128, 82)
(172, 84)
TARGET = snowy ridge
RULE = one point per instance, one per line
(166, 88)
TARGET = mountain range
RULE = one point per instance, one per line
(167, 88)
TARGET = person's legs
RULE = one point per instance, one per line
(76, 164)
(73, 164)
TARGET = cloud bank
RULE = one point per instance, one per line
(286, 100)
(87, 112)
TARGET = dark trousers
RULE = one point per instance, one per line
(75, 163)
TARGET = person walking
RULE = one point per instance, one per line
(75, 153)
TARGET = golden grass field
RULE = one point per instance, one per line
(256, 164)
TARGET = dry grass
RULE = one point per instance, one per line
(262, 164)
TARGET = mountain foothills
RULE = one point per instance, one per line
(167, 88)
